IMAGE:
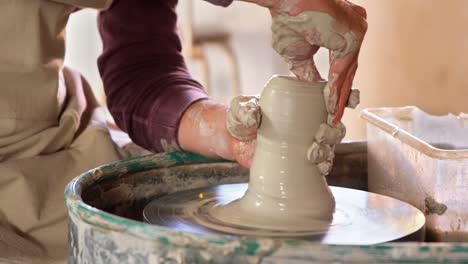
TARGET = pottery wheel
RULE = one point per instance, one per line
(360, 217)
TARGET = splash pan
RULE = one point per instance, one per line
(360, 217)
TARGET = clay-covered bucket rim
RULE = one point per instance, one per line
(283, 249)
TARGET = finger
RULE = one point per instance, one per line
(327, 134)
(296, 50)
(330, 94)
(335, 79)
(359, 9)
(344, 91)
(338, 74)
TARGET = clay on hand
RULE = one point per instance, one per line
(354, 98)
(244, 117)
(242, 121)
(322, 151)
(203, 130)
(301, 27)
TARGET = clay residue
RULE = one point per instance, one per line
(244, 117)
(354, 98)
(322, 150)
(198, 116)
(434, 207)
(325, 167)
(294, 37)
(318, 153)
(328, 134)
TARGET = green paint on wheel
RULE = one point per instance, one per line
(164, 240)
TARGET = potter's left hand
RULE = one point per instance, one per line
(301, 27)
(203, 130)
(244, 117)
(243, 120)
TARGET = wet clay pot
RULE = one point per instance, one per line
(286, 191)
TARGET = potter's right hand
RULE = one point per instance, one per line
(203, 129)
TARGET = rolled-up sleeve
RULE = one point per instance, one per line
(146, 81)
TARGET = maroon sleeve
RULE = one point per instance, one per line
(220, 2)
(146, 81)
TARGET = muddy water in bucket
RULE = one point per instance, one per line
(287, 196)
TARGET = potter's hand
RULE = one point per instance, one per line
(203, 130)
(301, 27)
(244, 117)
(321, 152)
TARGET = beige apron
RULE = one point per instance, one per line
(51, 128)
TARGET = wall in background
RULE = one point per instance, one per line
(415, 53)
(83, 46)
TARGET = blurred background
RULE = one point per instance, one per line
(415, 53)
